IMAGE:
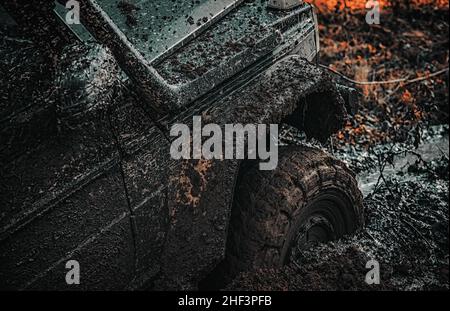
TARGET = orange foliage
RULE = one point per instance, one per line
(361, 4)
(407, 97)
(332, 4)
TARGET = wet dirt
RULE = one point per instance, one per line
(406, 228)
(397, 145)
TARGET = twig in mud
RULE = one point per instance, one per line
(378, 243)
(443, 153)
(404, 80)
(419, 79)
(388, 96)
(387, 185)
(382, 166)
(417, 232)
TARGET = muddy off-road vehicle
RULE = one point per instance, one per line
(86, 171)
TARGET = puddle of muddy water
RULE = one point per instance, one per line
(433, 147)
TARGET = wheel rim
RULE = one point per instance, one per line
(326, 218)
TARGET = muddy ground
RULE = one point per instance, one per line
(397, 143)
(406, 226)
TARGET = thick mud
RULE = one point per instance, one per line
(406, 226)
(401, 161)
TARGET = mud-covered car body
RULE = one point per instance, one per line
(98, 185)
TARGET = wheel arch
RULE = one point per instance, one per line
(200, 195)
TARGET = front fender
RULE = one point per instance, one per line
(200, 192)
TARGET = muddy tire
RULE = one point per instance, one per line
(311, 197)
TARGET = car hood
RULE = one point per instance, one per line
(158, 27)
(177, 51)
